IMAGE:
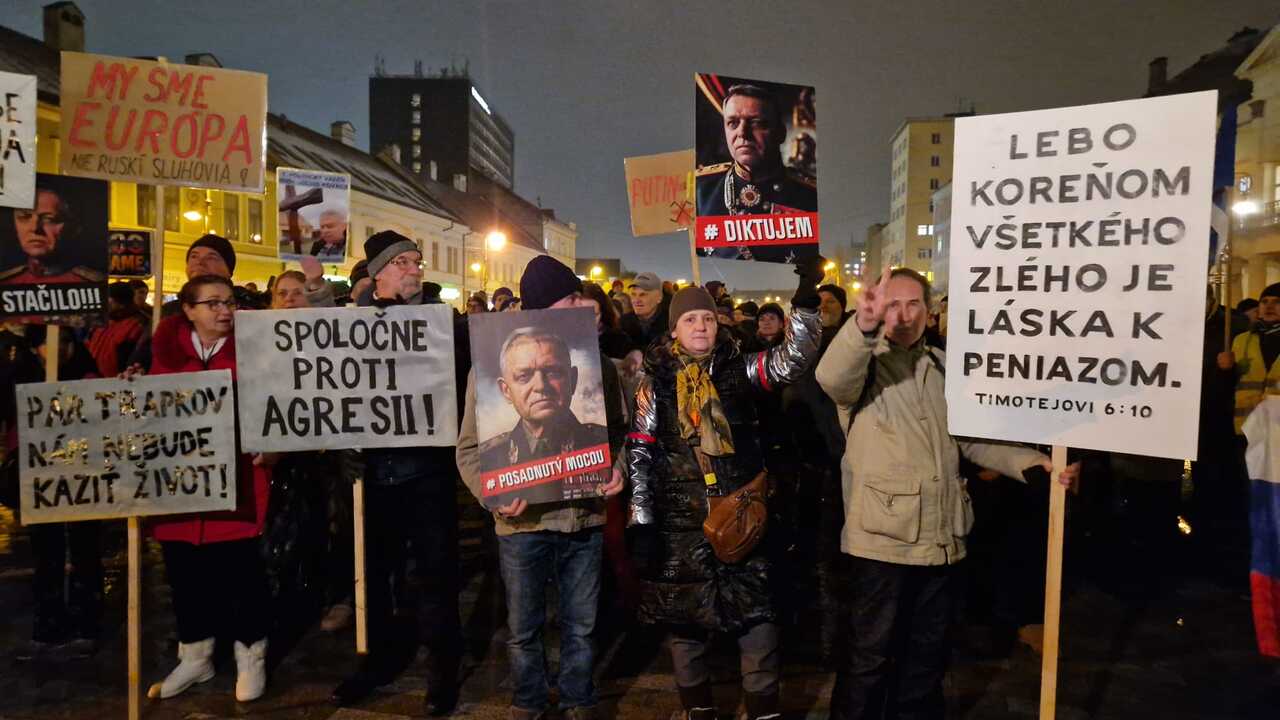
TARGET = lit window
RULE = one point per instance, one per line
(417, 117)
(255, 221)
(415, 100)
(417, 151)
(231, 216)
(924, 254)
(417, 134)
(417, 166)
(922, 230)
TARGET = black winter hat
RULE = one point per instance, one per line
(218, 244)
(1272, 290)
(121, 292)
(381, 248)
(838, 292)
(545, 282)
(502, 291)
(771, 309)
(359, 271)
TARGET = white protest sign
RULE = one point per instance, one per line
(1078, 269)
(17, 140)
(328, 378)
(157, 445)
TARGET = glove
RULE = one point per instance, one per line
(811, 273)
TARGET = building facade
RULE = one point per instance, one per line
(1255, 239)
(941, 240)
(921, 151)
(444, 126)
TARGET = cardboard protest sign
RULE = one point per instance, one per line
(17, 140)
(54, 257)
(163, 123)
(314, 210)
(658, 192)
(328, 378)
(157, 445)
(130, 253)
(757, 195)
(1078, 274)
(540, 417)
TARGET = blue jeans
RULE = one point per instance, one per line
(529, 560)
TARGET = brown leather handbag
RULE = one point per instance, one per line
(737, 521)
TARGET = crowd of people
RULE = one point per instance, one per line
(826, 420)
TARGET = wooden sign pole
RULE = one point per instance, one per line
(1053, 586)
(690, 196)
(362, 618)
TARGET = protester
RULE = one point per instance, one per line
(500, 296)
(834, 302)
(615, 344)
(411, 506)
(140, 294)
(617, 289)
(648, 319)
(695, 404)
(771, 321)
(745, 318)
(68, 596)
(558, 542)
(476, 305)
(290, 291)
(622, 301)
(1248, 308)
(212, 559)
(112, 344)
(906, 508)
(209, 255)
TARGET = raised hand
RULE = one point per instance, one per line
(871, 304)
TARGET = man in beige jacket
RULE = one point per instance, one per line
(906, 509)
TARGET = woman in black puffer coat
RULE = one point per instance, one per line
(698, 394)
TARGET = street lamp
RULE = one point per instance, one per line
(495, 240)
(1245, 207)
(596, 271)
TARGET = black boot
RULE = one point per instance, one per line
(762, 706)
(697, 702)
(442, 685)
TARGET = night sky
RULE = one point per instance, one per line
(585, 83)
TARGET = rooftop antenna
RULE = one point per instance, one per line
(417, 68)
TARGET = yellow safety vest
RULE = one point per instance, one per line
(1253, 381)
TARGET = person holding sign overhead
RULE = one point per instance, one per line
(694, 451)
(906, 508)
(212, 559)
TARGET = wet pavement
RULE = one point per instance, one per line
(1147, 641)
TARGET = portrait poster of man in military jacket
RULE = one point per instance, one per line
(540, 417)
(757, 196)
(53, 256)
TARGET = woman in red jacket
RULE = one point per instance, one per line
(212, 559)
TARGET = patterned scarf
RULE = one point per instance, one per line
(702, 420)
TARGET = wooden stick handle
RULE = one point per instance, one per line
(135, 617)
(362, 617)
(1053, 587)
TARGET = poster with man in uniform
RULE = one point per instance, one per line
(540, 417)
(756, 186)
(53, 257)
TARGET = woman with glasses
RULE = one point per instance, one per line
(212, 559)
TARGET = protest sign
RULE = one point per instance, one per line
(130, 253)
(163, 123)
(658, 192)
(314, 210)
(329, 378)
(17, 140)
(757, 196)
(54, 257)
(540, 417)
(1078, 274)
(157, 445)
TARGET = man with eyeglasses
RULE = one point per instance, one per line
(410, 506)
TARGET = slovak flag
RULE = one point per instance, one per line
(1262, 428)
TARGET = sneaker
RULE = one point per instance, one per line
(338, 617)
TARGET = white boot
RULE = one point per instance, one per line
(195, 666)
(251, 670)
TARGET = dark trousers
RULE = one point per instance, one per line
(219, 588)
(418, 519)
(67, 603)
(901, 620)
